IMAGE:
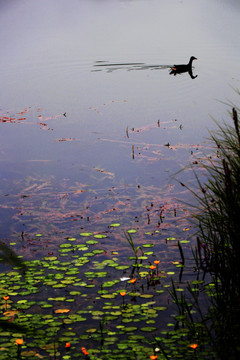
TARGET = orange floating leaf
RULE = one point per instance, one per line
(84, 350)
(123, 293)
(11, 313)
(132, 281)
(194, 346)
(5, 298)
(156, 262)
(67, 345)
(152, 267)
(19, 341)
(61, 311)
(153, 357)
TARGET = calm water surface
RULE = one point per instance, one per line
(92, 124)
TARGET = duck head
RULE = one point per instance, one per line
(192, 58)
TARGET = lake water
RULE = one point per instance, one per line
(93, 127)
(104, 65)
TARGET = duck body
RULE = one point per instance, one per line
(178, 69)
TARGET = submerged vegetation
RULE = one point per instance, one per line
(84, 301)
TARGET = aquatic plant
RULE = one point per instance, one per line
(208, 313)
(75, 300)
(131, 243)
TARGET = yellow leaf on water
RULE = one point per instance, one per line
(11, 312)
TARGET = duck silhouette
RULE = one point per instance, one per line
(182, 68)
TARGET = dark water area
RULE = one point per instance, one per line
(93, 127)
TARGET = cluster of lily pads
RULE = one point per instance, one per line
(84, 303)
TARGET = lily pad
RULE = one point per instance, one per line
(130, 328)
(50, 258)
(108, 296)
(91, 242)
(148, 328)
(122, 267)
(132, 231)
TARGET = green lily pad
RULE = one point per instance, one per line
(142, 258)
(132, 231)
(82, 248)
(108, 296)
(122, 267)
(91, 242)
(86, 234)
(143, 273)
(116, 313)
(93, 330)
(160, 308)
(195, 282)
(110, 283)
(65, 250)
(148, 328)
(97, 313)
(130, 328)
(98, 251)
(97, 274)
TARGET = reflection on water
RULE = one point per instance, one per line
(109, 67)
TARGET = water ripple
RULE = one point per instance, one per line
(110, 67)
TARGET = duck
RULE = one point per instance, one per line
(178, 69)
